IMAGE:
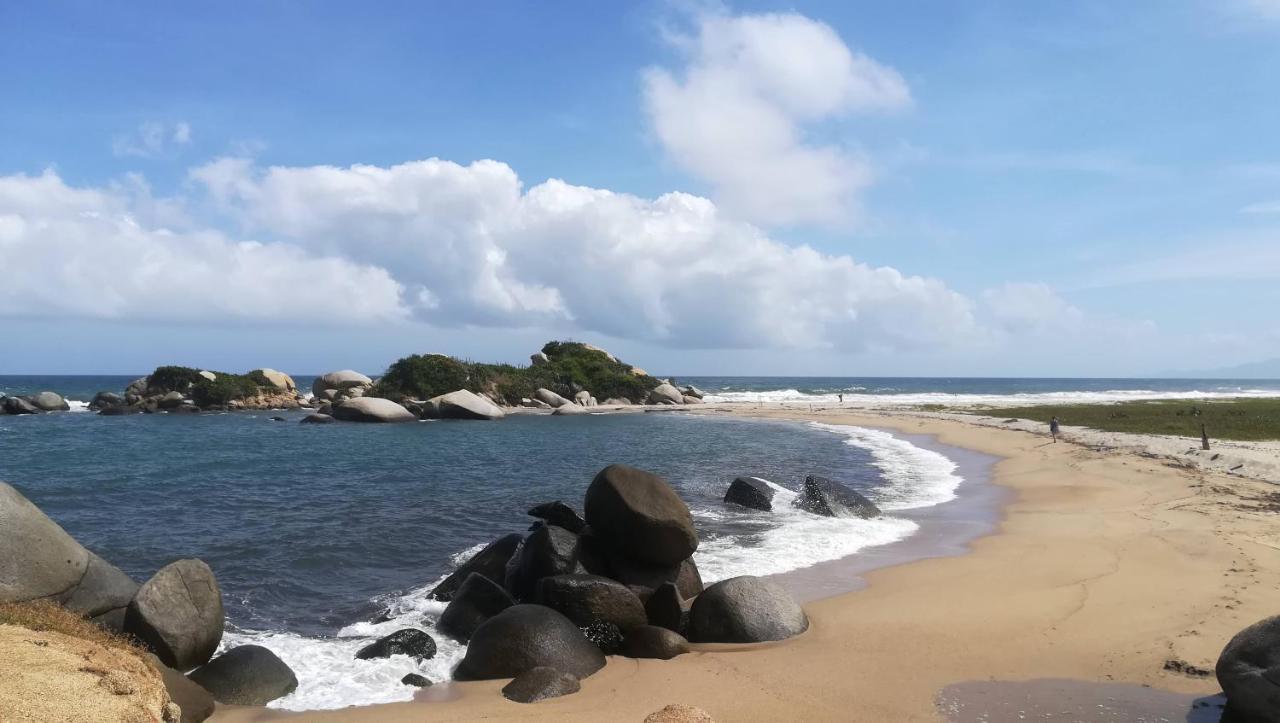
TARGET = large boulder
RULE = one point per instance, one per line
(665, 394)
(540, 683)
(409, 641)
(279, 380)
(316, 419)
(463, 404)
(138, 387)
(102, 400)
(584, 399)
(640, 514)
(171, 400)
(524, 637)
(568, 409)
(178, 614)
(246, 675)
(745, 610)
(559, 514)
(666, 608)
(476, 601)
(550, 398)
(49, 402)
(651, 641)
(372, 409)
(18, 405)
(590, 599)
(103, 594)
(692, 391)
(1249, 672)
(547, 551)
(750, 492)
(829, 498)
(490, 562)
(340, 381)
(196, 703)
(685, 575)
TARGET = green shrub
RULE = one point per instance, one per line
(172, 379)
(224, 389)
(422, 376)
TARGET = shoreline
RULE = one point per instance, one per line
(1105, 566)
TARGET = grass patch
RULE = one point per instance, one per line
(46, 616)
(1238, 419)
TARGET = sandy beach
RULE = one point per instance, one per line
(1107, 566)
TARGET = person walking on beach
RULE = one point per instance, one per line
(841, 398)
(1053, 428)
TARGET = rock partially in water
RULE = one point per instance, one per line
(476, 601)
(18, 405)
(102, 400)
(409, 641)
(524, 637)
(178, 614)
(415, 680)
(547, 551)
(372, 409)
(640, 515)
(246, 675)
(540, 683)
(49, 402)
(490, 562)
(745, 609)
(316, 419)
(751, 492)
(829, 498)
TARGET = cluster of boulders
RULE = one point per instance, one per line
(33, 403)
(177, 614)
(545, 608)
(668, 393)
(144, 395)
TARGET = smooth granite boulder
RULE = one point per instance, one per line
(524, 637)
(18, 405)
(178, 614)
(246, 675)
(339, 381)
(476, 601)
(540, 683)
(651, 641)
(279, 380)
(316, 419)
(101, 400)
(590, 599)
(409, 641)
(550, 398)
(103, 594)
(463, 404)
(38, 559)
(584, 399)
(685, 575)
(829, 498)
(691, 400)
(569, 410)
(664, 394)
(666, 608)
(372, 409)
(1249, 672)
(751, 492)
(745, 609)
(547, 551)
(490, 562)
(196, 703)
(640, 515)
(559, 514)
(49, 402)
(692, 391)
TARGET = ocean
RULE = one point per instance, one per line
(315, 530)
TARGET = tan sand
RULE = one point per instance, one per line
(1106, 566)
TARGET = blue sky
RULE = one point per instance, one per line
(1000, 188)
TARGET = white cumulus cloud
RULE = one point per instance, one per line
(152, 139)
(738, 111)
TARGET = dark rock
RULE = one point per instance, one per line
(196, 703)
(651, 641)
(605, 635)
(524, 637)
(118, 411)
(246, 675)
(277, 419)
(48, 402)
(18, 405)
(547, 551)
(685, 575)
(745, 610)
(490, 562)
(829, 498)
(559, 514)
(326, 409)
(540, 683)
(178, 614)
(476, 601)
(417, 681)
(1249, 672)
(102, 400)
(640, 515)
(409, 641)
(171, 400)
(589, 599)
(103, 594)
(666, 608)
(316, 419)
(750, 492)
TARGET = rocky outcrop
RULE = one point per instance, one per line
(48, 402)
(339, 384)
(665, 394)
(102, 400)
(651, 641)
(559, 514)
(409, 641)
(524, 637)
(584, 399)
(490, 562)
(476, 601)
(639, 514)
(751, 492)
(547, 551)
(281, 381)
(463, 404)
(540, 683)
(590, 599)
(246, 675)
(18, 405)
(829, 498)
(178, 614)
(745, 610)
(1249, 672)
(372, 409)
(550, 398)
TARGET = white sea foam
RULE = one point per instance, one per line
(913, 476)
(973, 400)
(77, 406)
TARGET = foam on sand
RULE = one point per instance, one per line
(913, 476)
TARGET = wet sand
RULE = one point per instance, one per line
(1103, 567)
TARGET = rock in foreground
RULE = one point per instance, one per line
(490, 562)
(372, 409)
(524, 637)
(679, 713)
(246, 675)
(745, 609)
(409, 641)
(476, 601)
(591, 599)
(178, 614)
(651, 641)
(1249, 672)
(751, 492)
(640, 515)
(829, 498)
(540, 683)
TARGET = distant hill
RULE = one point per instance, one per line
(1266, 369)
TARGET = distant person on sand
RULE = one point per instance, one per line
(1053, 428)
(841, 398)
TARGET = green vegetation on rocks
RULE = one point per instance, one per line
(222, 389)
(1240, 419)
